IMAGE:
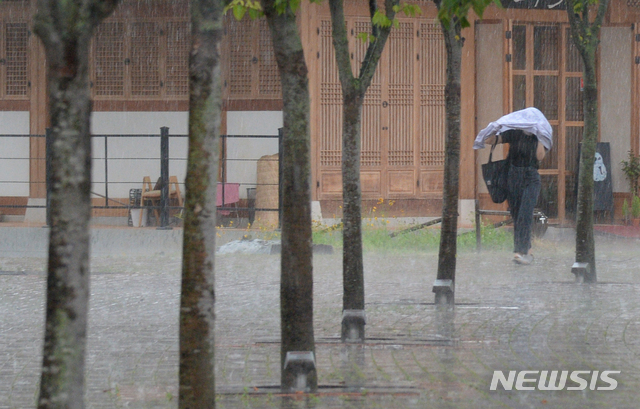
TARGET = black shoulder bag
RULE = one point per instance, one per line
(495, 176)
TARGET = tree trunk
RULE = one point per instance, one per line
(585, 34)
(352, 267)
(353, 92)
(296, 283)
(585, 244)
(197, 316)
(65, 29)
(449, 229)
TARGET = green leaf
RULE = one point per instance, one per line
(230, 6)
(294, 4)
(280, 6)
(238, 11)
(412, 10)
(452, 10)
(363, 36)
(577, 8)
(254, 14)
(381, 20)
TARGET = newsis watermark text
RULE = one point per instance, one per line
(554, 380)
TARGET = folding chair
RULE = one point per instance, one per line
(154, 194)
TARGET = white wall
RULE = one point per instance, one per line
(615, 103)
(249, 123)
(14, 154)
(130, 159)
(124, 172)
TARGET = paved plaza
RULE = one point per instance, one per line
(507, 318)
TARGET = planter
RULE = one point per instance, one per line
(135, 217)
(635, 222)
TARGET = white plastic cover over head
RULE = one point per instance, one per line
(530, 120)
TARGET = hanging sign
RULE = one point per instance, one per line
(535, 4)
(602, 183)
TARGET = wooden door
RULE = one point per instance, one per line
(546, 73)
(431, 115)
(402, 118)
(251, 71)
(374, 117)
(400, 70)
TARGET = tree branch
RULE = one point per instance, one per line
(583, 31)
(101, 9)
(374, 51)
(602, 10)
(50, 22)
(577, 30)
(373, 7)
(585, 16)
(341, 42)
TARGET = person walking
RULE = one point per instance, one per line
(529, 136)
(525, 154)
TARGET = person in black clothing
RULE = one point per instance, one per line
(525, 154)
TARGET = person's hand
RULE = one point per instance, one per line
(491, 140)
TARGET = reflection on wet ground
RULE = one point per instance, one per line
(508, 318)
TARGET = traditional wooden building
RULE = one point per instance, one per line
(518, 56)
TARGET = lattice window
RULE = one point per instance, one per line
(109, 59)
(330, 101)
(269, 78)
(371, 108)
(17, 59)
(177, 66)
(145, 59)
(432, 82)
(14, 59)
(401, 88)
(251, 71)
(240, 37)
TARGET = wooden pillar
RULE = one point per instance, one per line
(38, 118)
(467, 113)
(308, 25)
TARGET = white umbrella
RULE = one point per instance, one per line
(530, 120)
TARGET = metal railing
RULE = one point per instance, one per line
(156, 150)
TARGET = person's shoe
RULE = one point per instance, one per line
(524, 259)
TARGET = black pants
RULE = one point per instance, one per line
(524, 188)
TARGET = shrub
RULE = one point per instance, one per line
(635, 207)
(631, 169)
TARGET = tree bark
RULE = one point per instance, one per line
(65, 29)
(353, 93)
(585, 242)
(352, 265)
(296, 284)
(197, 314)
(449, 230)
(585, 35)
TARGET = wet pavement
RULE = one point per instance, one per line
(507, 318)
